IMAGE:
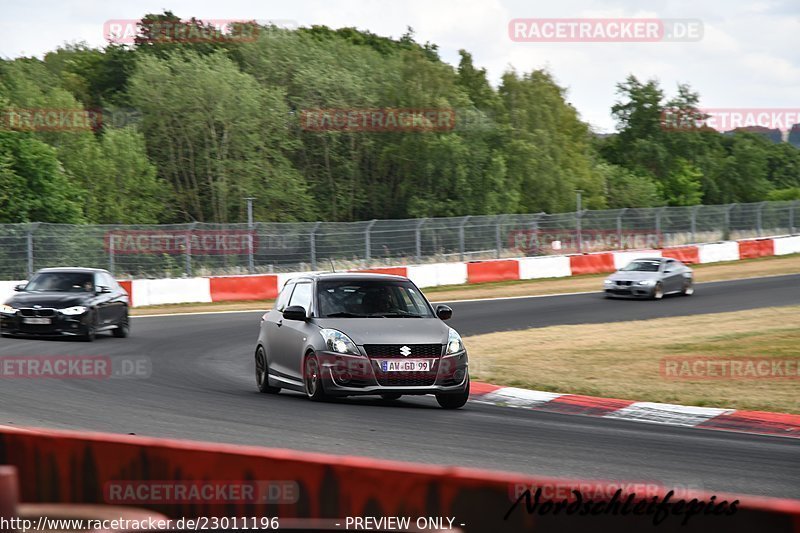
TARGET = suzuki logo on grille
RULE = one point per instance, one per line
(405, 351)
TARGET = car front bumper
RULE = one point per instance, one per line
(629, 291)
(349, 375)
(60, 325)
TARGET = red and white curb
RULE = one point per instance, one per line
(757, 422)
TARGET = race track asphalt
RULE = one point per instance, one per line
(202, 388)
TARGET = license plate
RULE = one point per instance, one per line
(405, 365)
(36, 320)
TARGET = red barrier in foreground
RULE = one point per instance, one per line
(686, 254)
(71, 467)
(591, 263)
(486, 271)
(234, 288)
(759, 248)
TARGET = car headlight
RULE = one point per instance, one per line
(338, 342)
(608, 282)
(75, 310)
(7, 309)
(647, 282)
(454, 343)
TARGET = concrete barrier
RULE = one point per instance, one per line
(80, 468)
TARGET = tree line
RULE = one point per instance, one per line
(190, 127)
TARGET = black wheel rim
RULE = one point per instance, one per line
(312, 376)
(261, 367)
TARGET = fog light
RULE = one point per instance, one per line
(345, 377)
(458, 375)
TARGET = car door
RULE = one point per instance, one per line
(673, 276)
(116, 299)
(293, 334)
(103, 301)
(272, 329)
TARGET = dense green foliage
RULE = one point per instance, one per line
(219, 121)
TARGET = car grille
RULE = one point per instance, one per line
(628, 283)
(37, 312)
(393, 350)
(407, 379)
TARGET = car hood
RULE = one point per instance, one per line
(389, 330)
(59, 300)
(634, 276)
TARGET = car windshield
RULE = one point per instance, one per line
(642, 266)
(62, 282)
(371, 299)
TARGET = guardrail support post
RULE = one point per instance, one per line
(726, 232)
(368, 241)
(759, 216)
(111, 253)
(619, 227)
(792, 208)
(693, 223)
(188, 255)
(418, 238)
(461, 244)
(498, 243)
(31, 227)
(313, 242)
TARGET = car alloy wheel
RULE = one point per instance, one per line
(123, 328)
(658, 291)
(262, 373)
(688, 288)
(312, 379)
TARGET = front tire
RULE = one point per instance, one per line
(123, 329)
(262, 373)
(688, 287)
(312, 379)
(91, 329)
(454, 401)
(658, 291)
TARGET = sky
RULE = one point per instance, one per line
(747, 56)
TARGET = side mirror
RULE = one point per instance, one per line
(20, 287)
(444, 312)
(295, 312)
(668, 271)
(102, 289)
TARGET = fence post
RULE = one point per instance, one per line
(726, 232)
(792, 207)
(418, 238)
(368, 241)
(759, 216)
(498, 243)
(693, 223)
(313, 239)
(579, 232)
(659, 212)
(619, 227)
(31, 228)
(461, 236)
(111, 252)
(188, 255)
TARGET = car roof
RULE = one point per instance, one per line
(650, 259)
(73, 269)
(350, 276)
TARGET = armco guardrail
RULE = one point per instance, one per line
(263, 287)
(205, 249)
(71, 467)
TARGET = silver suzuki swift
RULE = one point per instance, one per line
(360, 334)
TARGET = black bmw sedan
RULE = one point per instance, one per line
(360, 334)
(67, 301)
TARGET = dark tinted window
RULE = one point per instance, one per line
(283, 298)
(302, 296)
(62, 282)
(370, 298)
(642, 266)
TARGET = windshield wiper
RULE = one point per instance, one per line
(344, 314)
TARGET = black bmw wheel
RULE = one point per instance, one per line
(123, 329)
(91, 329)
(658, 291)
(262, 373)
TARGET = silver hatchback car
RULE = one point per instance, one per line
(650, 277)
